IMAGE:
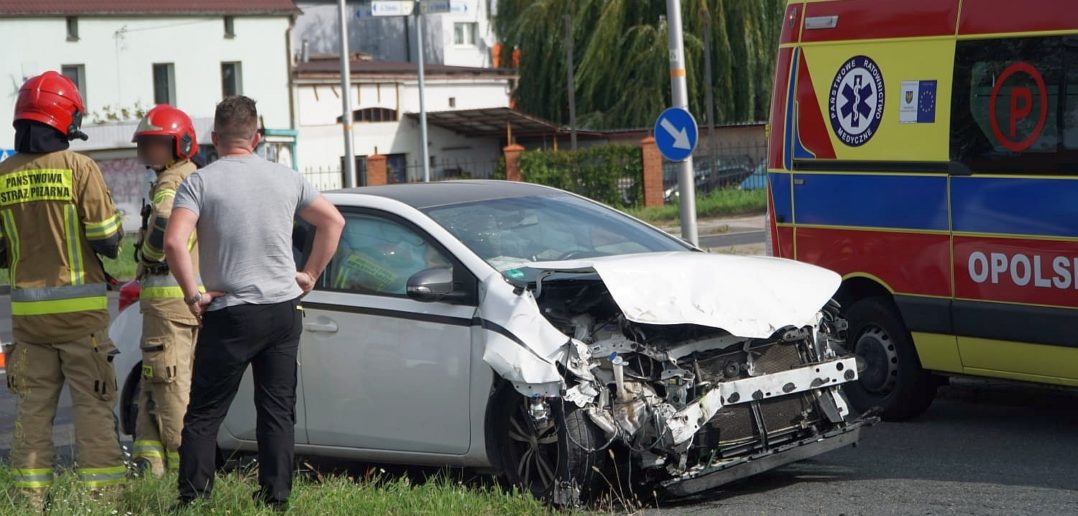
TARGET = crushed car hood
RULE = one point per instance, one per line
(748, 296)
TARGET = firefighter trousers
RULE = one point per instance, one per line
(36, 374)
(167, 352)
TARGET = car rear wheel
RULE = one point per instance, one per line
(129, 400)
(555, 459)
(893, 380)
(129, 407)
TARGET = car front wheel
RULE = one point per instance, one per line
(555, 458)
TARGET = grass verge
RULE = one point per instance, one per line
(718, 203)
(327, 495)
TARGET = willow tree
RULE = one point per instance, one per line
(622, 63)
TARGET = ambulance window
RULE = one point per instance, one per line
(1007, 112)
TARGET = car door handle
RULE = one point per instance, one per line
(327, 327)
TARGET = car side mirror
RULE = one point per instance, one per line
(433, 285)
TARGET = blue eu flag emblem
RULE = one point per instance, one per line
(926, 102)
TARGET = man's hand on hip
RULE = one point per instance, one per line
(198, 308)
(306, 281)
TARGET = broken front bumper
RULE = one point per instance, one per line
(735, 469)
(688, 420)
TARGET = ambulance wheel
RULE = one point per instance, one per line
(892, 381)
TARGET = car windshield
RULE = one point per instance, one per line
(510, 232)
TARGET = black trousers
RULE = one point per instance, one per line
(267, 338)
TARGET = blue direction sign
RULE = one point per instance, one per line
(676, 134)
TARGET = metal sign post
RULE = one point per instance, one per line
(419, 8)
(680, 97)
(423, 151)
(346, 102)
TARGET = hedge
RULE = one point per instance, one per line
(610, 174)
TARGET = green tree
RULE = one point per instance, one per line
(622, 61)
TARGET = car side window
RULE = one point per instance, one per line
(1014, 105)
(302, 235)
(377, 256)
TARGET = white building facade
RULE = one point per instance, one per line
(464, 37)
(127, 57)
(385, 98)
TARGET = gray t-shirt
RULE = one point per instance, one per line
(246, 207)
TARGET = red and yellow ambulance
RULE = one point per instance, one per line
(927, 150)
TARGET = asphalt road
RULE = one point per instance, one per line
(982, 448)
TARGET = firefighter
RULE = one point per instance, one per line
(166, 144)
(57, 217)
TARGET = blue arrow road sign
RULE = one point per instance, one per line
(676, 134)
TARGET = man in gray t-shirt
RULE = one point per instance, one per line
(244, 207)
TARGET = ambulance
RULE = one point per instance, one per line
(927, 150)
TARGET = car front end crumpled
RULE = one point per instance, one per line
(701, 368)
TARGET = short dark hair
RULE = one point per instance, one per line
(236, 119)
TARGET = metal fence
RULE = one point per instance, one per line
(448, 170)
(400, 171)
(324, 179)
(721, 166)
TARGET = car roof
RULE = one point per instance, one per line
(445, 193)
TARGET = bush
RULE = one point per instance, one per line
(610, 174)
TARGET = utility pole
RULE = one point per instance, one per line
(570, 79)
(346, 101)
(680, 97)
(423, 151)
(708, 80)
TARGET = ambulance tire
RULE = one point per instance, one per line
(892, 381)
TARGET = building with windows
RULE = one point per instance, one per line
(464, 37)
(385, 102)
(128, 56)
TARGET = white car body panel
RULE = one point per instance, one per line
(376, 363)
(748, 296)
(527, 352)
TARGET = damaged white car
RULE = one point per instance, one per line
(557, 342)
